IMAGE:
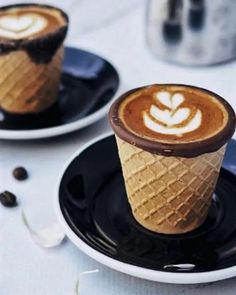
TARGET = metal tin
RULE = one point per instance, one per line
(192, 32)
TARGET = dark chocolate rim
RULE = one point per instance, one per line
(40, 49)
(187, 150)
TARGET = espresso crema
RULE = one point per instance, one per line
(173, 114)
(28, 22)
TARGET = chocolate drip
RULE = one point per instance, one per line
(40, 49)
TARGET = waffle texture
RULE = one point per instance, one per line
(28, 87)
(169, 195)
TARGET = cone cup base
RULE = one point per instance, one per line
(168, 229)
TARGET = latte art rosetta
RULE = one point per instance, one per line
(21, 26)
(173, 120)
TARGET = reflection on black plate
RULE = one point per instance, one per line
(94, 203)
(88, 83)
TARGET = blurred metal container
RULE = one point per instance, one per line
(192, 32)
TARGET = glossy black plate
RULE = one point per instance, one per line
(93, 202)
(88, 83)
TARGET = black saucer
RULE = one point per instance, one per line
(93, 202)
(88, 83)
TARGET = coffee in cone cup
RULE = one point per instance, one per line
(170, 176)
(31, 45)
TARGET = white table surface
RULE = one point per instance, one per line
(115, 30)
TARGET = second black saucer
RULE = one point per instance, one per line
(88, 84)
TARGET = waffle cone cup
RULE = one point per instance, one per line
(168, 194)
(28, 87)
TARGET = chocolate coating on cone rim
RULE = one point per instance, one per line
(40, 49)
(188, 150)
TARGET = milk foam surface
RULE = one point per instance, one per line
(174, 119)
(27, 21)
(18, 27)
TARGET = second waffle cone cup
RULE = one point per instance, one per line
(167, 194)
(28, 87)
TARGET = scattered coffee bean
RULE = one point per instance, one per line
(8, 199)
(20, 173)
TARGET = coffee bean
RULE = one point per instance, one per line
(8, 199)
(20, 173)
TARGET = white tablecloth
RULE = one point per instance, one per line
(115, 30)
